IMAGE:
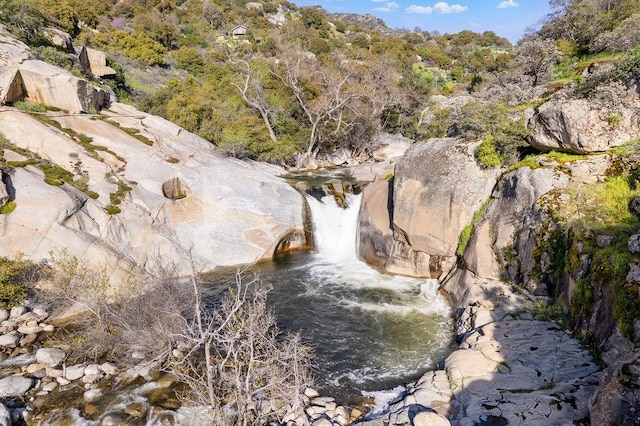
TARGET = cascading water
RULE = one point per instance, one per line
(334, 227)
(370, 331)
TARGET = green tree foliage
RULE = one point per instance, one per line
(136, 46)
(24, 19)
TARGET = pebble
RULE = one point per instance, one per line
(92, 395)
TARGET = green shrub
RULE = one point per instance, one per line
(465, 234)
(8, 207)
(486, 153)
(30, 106)
(13, 275)
(54, 56)
(11, 295)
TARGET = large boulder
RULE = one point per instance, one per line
(22, 76)
(586, 125)
(437, 187)
(504, 234)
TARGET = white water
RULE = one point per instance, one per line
(334, 227)
(400, 306)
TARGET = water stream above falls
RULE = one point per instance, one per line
(369, 331)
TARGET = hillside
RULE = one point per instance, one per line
(518, 190)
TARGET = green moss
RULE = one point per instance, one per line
(8, 207)
(13, 276)
(486, 153)
(111, 209)
(30, 106)
(465, 234)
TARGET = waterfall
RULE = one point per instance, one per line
(335, 228)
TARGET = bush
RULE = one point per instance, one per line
(14, 276)
(54, 56)
(486, 153)
(9, 207)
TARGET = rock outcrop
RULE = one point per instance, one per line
(437, 187)
(145, 192)
(588, 125)
(23, 77)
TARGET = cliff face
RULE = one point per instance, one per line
(557, 238)
(126, 189)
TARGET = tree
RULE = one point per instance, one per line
(323, 92)
(537, 57)
(252, 89)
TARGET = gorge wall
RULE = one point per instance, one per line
(125, 189)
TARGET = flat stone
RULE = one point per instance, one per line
(29, 329)
(92, 395)
(27, 317)
(430, 419)
(32, 368)
(4, 315)
(109, 368)
(28, 339)
(91, 378)
(311, 393)
(322, 422)
(16, 385)
(50, 357)
(74, 372)
(54, 373)
(19, 361)
(62, 381)
(17, 311)
(92, 369)
(50, 386)
(9, 340)
(135, 410)
(5, 416)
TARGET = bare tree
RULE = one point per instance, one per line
(250, 373)
(537, 58)
(253, 92)
(324, 93)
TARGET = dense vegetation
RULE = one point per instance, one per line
(299, 81)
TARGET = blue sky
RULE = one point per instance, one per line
(508, 18)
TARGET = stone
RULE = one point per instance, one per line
(135, 410)
(74, 372)
(427, 418)
(583, 126)
(50, 357)
(166, 380)
(29, 329)
(91, 378)
(92, 395)
(634, 243)
(311, 393)
(5, 416)
(322, 422)
(4, 315)
(32, 368)
(92, 369)
(15, 386)
(390, 147)
(634, 206)
(17, 311)
(9, 340)
(113, 419)
(49, 387)
(40, 313)
(54, 373)
(63, 381)
(175, 189)
(27, 317)
(109, 368)
(28, 339)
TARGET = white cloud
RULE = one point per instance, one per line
(378, 1)
(440, 7)
(390, 7)
(507, 3)
(423, 10)
(444, 8)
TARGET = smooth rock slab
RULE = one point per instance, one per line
(16, 385)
